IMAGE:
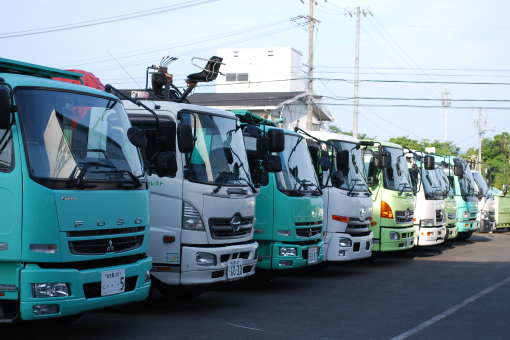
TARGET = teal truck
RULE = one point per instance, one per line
(75, 199)
(392, 196)
(289, 207)
(461, 180)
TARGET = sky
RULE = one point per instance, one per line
(406, 40)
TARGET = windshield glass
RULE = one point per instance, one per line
(430, 182)
(297, 168)
(443, 181)
(467, 183)
(63, 131)
(480, 182)
(219, 155)
(354, 174)
(397, 177)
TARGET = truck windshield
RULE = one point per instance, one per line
(443, 182)
(480, 182)
(467, 183)
(64, 131)
(431, 184)
(219, 156)
(397, 177)
(354, 174)
(298, 173)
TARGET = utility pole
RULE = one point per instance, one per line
(357, 11)
(481, 124)
(445, 102)
(309, 112)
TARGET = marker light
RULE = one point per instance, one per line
(386, 210)
(340, 218)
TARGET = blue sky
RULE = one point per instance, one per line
(447, 41)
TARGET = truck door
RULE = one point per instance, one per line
(10, 196)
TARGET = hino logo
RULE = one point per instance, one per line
(235, 223)
(110, 247)
(68, 198)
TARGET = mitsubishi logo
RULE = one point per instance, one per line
(310, 233)
(362, 211)
(110, 247)
(235, 223)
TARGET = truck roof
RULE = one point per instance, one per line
(27, 80)
(333, 136)
(388, 144)
(176, 107)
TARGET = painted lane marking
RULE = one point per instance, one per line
(449, 311)
(255, 329)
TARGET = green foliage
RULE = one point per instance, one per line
(442, 148)
(361, 136)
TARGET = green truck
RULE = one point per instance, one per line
(289, 207)
(502, 207)
(392, 196)
(75, 199)
(450, 204)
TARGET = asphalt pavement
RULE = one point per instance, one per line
(457, 290)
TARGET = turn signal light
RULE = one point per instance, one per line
(168, 238)
(373, 223)
(386, 210)
(429, 234)
(414, 219)
(340, 218)
(467, 225)
(371, 218)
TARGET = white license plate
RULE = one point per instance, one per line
(235, 268)
(363, 246)
(113, 282)
(313, 255)
(410, 241)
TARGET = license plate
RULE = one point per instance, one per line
(410, 241)
(113, 282)
(313, 255)
(363, 246)
(235, 268)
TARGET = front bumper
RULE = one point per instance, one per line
(386, 244)
(486, 226)
(301, 260)
(465, 226)
(190, 273)
(451, 231)
(429, 236)
(332, 247)
(77, 302)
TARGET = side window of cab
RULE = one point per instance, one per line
(6, 151)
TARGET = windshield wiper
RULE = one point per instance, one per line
(77, 182)
(354, 181)
(135, 179)
(233, 175)
(404, 188)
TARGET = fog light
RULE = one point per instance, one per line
(206, 259)
(147, 277)
(48, 290)
(285, 263)
(285, 232)
(45, 309)
(341, 253)
(287, 251)
(394, 236)
(345, 242)
(44, 248)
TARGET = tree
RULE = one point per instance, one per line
(361, 136)
(442, 148)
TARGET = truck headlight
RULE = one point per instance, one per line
(44, 248)
(288, 251)
(345, 242)
(46, 290)
(485, 215)
(426, 223)
(191, 219)
(394, 236)
(147, 277)
(465, 214)
(206, 259)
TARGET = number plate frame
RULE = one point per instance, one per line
(234, 269)
(113, 282)
(313, 251)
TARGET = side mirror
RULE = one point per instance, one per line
(167, 164)
(366, 143)
(273, 163)
(486, 172)
(372, 181)
(167, 142)
(429, 162)
(325, 163)
(414, 173)
(276, 140)
(5, 108)
(253, 131)
(342, 160)
(228, 154)
(480, 192)
(504, 189)
(458, 170)
(472, 164)
(136, 136)
(338, 179)
(383, 161)
(185, 138)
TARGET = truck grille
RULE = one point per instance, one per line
(357, 227)
(304, 224)
(401, 217)
(308, 232)
(85, 233)
(93, 289)
(451, 216)
(439, 216)
(106, 245)
(221, 228)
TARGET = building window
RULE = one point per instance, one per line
(270, 53)
(316, 127)
(236, 53)
(237, 76)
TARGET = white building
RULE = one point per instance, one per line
(268, 82)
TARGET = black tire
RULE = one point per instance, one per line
(181, 292)
(264, 275)
(468, 235)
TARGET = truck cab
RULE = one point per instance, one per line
(502, 207)
(75, 198)
(429, 215)
(487, 214)
(450, 204)
(289, 208)
(347, 205)
(392, 196)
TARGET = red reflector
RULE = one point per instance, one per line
(259, 260)
(165, 269)
(2, 294)
(168, 238)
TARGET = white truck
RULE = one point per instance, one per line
(429, 215)
(487, 213)
(201, 225)
(347, 197)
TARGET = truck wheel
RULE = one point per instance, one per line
(264, 275)
(181, 292)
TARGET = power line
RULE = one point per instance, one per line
(159, 10)
(424, 69)
(425, 99)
